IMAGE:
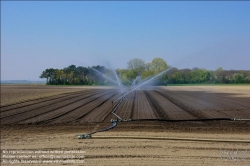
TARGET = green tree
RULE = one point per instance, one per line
(220, 76)
(138, 65)
(147, 73)
(81, 73)
(59, 74)
(50, 73)
(158, 65)
(45, 74)
(238, 78)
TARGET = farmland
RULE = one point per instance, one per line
(94, 105)
(52, 117)
(11, 94)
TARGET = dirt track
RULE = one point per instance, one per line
(136, 151)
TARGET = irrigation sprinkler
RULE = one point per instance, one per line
(89, 135)
(144, 83)
(119, 119)
(116, 82)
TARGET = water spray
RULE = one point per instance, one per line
(118, 81)
(144, 83)
(148, 79)
(105, 76)
(133, 83)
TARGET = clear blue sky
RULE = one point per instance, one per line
(40, 35)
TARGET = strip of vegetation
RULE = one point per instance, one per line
(138, 70)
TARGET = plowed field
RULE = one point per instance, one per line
(95, 105)
(48, 118)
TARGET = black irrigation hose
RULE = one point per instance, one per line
(165, 120)
(105, 129)
(108, 128)
(80, 136)
(183, 120)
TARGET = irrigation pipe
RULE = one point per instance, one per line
(171, 138)
(117, 116)
(185, 120)
(89, 135)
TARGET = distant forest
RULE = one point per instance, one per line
(137, 70)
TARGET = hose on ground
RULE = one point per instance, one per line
(184, 120)
(171, 138)
(81, 136)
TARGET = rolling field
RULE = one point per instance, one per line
(52, 121)
(94, 105)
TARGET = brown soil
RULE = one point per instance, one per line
(63, 137)
(95, 105)
(53, 122)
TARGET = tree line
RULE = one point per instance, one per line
(137, 70)
(199, 76)
(73, 75)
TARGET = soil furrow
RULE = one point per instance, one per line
(57, 113)
(160, 114)
(100, 112)
(197, 114)
(144, 109)
(45, 105)
(171, 110)
(81, 111)
(41, 100)
(32, 113)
